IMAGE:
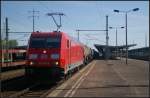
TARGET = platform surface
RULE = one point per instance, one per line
(112, 78)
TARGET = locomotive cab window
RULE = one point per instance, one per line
(37, 42)
(45, 42)
(53, 42)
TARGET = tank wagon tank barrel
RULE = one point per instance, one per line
(88, 54)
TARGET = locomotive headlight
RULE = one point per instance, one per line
(44, 51)
(31, 63)
(56, 63)
(55, 56)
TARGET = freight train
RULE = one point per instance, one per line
(55, 54)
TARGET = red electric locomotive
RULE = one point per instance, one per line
(53, 53)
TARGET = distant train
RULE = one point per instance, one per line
(55, 54)
(12, 57)
(140, 53)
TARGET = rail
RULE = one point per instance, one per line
(12, 74)
(32, 91)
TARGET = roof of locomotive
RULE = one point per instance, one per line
(44, 34)
(56, 33)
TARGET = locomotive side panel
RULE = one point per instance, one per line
(75, 54)
(65, 53)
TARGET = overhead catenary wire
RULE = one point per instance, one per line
(94, 38)
(16, 22)
(47, 8)
(11, 37)
(66, 16)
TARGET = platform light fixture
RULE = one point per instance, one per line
(126, 12)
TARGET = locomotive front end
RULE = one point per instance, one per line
(43, 54)
(44, 50)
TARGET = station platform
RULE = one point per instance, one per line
(111, 78)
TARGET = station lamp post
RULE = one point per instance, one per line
(116, 38)
(126, 12)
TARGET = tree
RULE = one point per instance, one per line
(11, 43)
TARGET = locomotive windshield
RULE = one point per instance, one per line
(41, 42)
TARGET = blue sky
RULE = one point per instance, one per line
(80, 15)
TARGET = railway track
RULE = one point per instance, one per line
(12, 74)
(23, 92)
(35, 90)
(23, 87)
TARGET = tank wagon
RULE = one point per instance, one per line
(55, 54)
(88, 54)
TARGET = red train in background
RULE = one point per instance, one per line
(12, 57)
(55, 54)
